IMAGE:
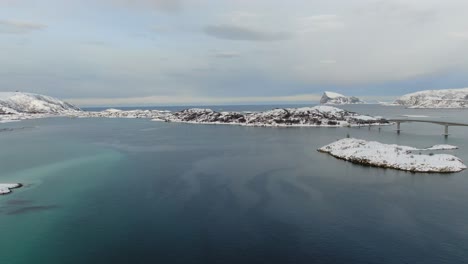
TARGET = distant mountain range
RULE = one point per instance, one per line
(28, 103)
(333, 98)
(20, 106)
(448, 98)
(12, 103)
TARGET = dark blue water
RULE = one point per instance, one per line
(137, 191)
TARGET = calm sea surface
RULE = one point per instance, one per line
(137, 191)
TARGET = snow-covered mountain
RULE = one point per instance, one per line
(338, 99)
(28, 103)
(449, 98)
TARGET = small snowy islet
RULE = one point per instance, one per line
(372, 153)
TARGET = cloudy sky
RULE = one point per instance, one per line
(162, 52)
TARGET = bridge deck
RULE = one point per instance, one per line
(427, 121)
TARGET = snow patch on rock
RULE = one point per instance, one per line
(5, 188)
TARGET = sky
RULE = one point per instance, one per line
(176, 52)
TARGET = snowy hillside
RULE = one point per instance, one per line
(449, 98)
(338, 99)
(27, 103)
(371, 153)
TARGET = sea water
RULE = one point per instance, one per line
(138, 191)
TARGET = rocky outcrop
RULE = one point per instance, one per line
(338, 99)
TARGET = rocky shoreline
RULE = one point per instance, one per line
(19, 106)
(317, 116)
(7, 188)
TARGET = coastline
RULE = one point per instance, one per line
(6, 189)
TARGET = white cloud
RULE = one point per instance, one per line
(242, 17)
(282, 47)
(463, 35)
(234, 32)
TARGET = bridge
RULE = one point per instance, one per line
(442, 123)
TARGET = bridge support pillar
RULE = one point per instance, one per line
(446, 133)
(398, 129)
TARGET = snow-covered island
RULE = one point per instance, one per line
(117, 113)
(371, 153)
(448, 98)
(332, 98)
(16, 106)
(282, 117)
(5, 188)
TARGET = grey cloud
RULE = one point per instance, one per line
(160, 5)
(226, 54)
(164, 5)
(19, 27)
(399, 12)
(232, 32)
(96, 43)
(320, 23)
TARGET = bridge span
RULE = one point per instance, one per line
(442, 123)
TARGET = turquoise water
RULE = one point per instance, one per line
(136, 191)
